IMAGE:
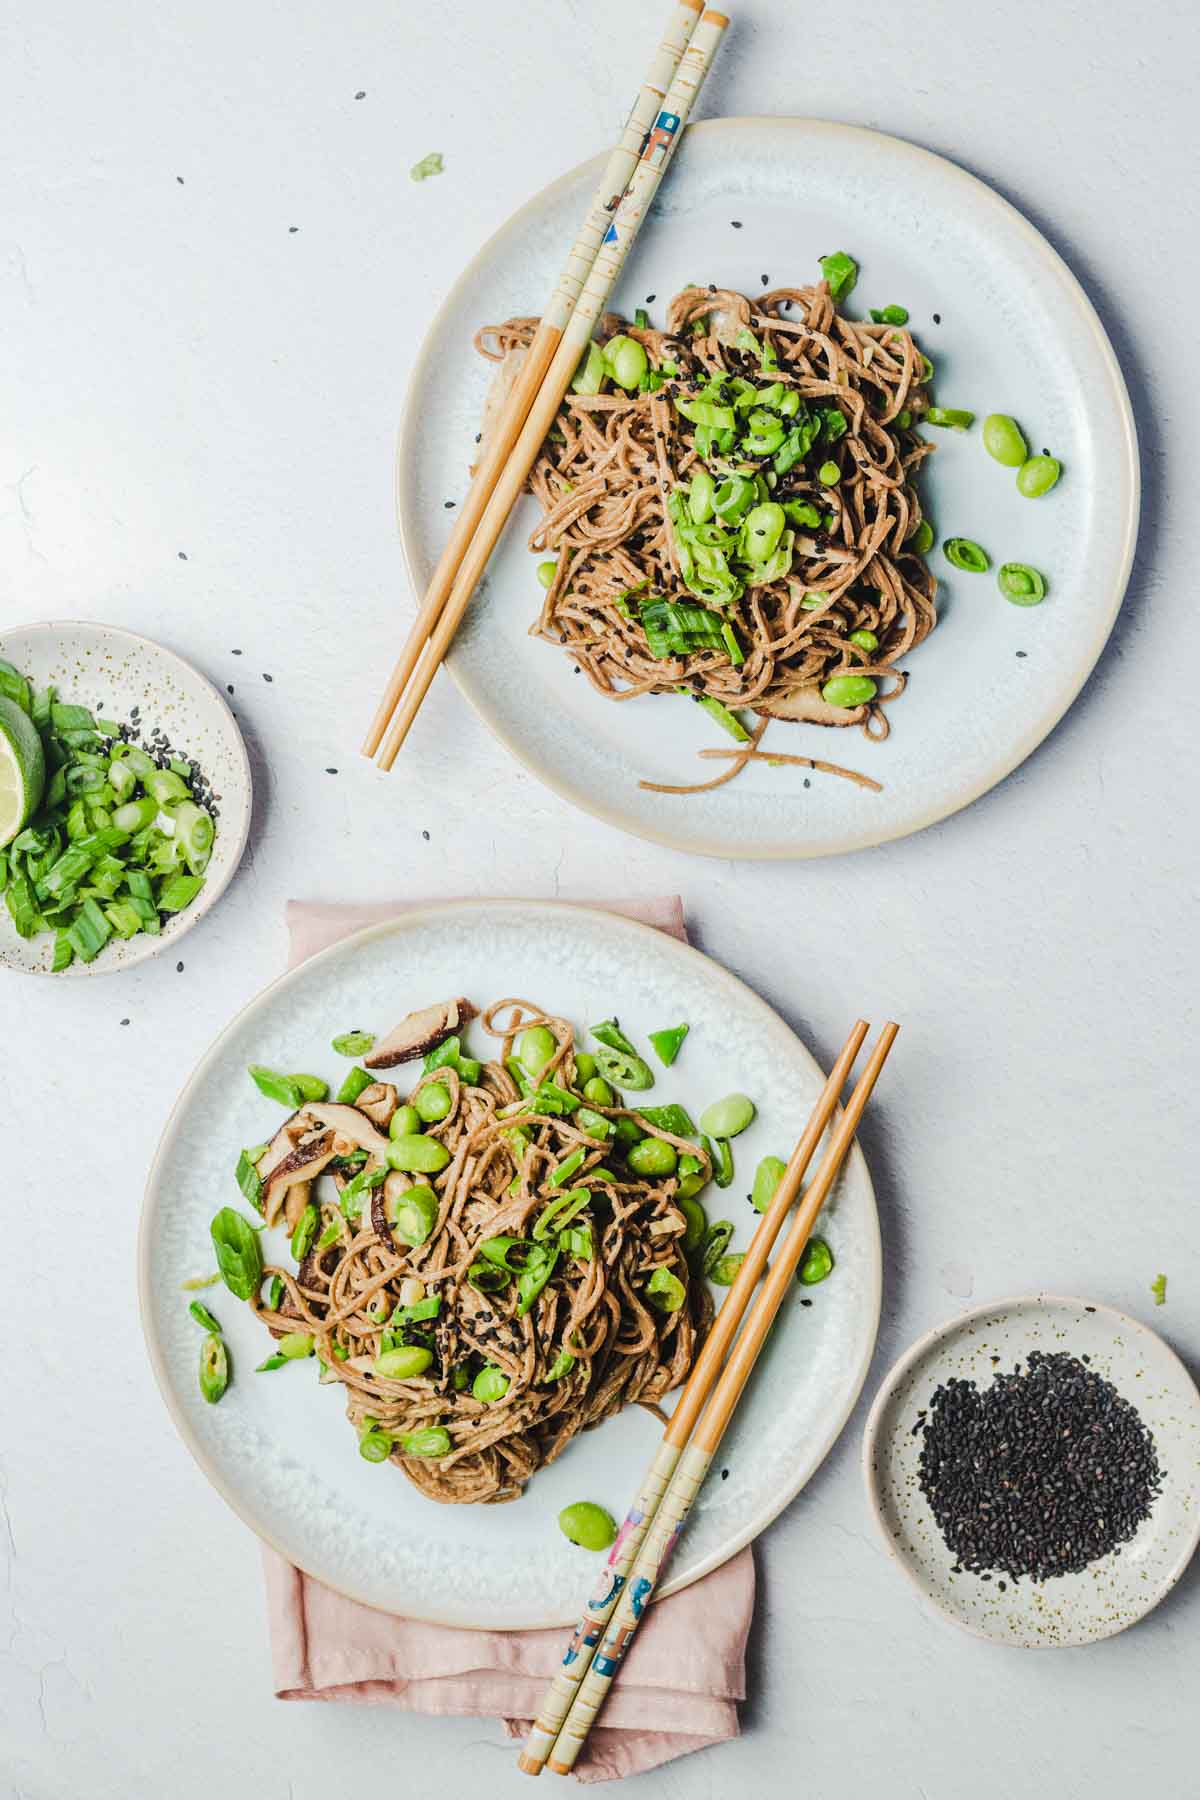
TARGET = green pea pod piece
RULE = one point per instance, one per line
(272, 1362)
(667, 1043)
(488, 1278)
(311, 1086)
(716, 1241)
(624, 1070)
(432, 1440)
(816, 1263)
(238, 1252)
(203, 1317)
(446, 1053)
(295, 1345)
(214, 1368)
(356, 1083)
(375, 1446)
(560, 1211)
(673, 1118)
(562, 1365)
(721, 1157)
(1021, 583)
(305, 1232)
(275, 1086)
(534, 1276)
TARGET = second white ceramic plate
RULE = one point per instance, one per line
(757, 201)
(278, 1446)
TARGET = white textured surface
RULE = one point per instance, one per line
(183, 374)
(283, 1452)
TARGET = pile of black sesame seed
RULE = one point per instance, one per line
(1042, 1473)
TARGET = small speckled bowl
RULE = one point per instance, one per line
(1112, 1593)
(112, 671)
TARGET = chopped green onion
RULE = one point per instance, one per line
(841, 272)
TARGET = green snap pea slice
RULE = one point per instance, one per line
(203, 1317)
(276, 1087)
(922, 538)
(375, 1446)
(356, 1083)
(214, 1368)
(721, 1156)
(588, 1525)
(418, 1155)
(1021, 583)
(305, 1232)
(239, 1255)
(562, 1365)
(1004, 440)
(310, 1087)
(956, 417)
(294, 1345)
(767, 1177)
(726, 1118)
(1037, 475)
(667, 1043)
(816, 1263)
(404, 1362)
(965, 553)
(724, 1270)
(431, 1440)
(714, 1244)
(692, 1177)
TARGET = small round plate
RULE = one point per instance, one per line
(112, 672)
(1110, 1594)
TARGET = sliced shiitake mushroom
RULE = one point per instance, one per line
(806, 704)
(297, 1169)
(419, 1033)
(379, 1102)
(350, 1125)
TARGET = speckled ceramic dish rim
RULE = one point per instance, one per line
(904, 1366)
(416, 918)
(1100, 619)
(145, 946)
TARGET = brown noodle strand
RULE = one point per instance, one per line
(772, 757)
(591, 1308)
(607, 469)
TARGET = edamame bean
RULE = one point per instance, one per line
(546, 571)
(586, 1067)
(665, 1291)
(829, 474)
(413, 1214)
(401, 1364)
(866, 640)
(1021, 583)
(954, 416)
(726, 1118)
(627, 361)
(490, 1384)
(764, 528)
(1037, 475)
(295, 1344)
(724, 1270)
(692, 1177)
(1004, 440)
(305, 1232)
(767, 1177)
(965, 553)
(405, 1122)
(432, 1440)
(417, 1155)
(695, 1220)
(922, 538)
(816, 1262)
(588, 1525)
(432, 1102)
(652, 1156)
(814, 602)
(849, 690)
(535, 1047)
(598, 1091)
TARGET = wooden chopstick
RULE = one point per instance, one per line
(617, 173)
(694, 1463)
(656, 157)
(559, 1697)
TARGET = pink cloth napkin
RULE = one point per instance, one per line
(685, 1671)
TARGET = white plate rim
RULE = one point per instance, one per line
(146, 945)
(424, 916)
(1092, 643)
(908, 1361)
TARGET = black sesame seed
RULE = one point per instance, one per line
(1022, 653)
(235, 653)
(124, 1021)
(361, 94)
(806, 1303)
(724, 1474)
(736, 223)
(292, 230)
(179, 968)
(267, 677)
(425, 835)
(937, 318)
(650, 299)
(229, 687)
(179, 179)
(331, 771)
(183, 556)
(766, 280)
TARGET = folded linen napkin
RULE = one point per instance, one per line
(685, 1671)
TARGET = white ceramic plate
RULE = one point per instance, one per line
(1017, 334)
(1112, 1593)
(112, 672)
(278, 1446)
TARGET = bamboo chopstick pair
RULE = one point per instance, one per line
(630, 181)
(671, 1482)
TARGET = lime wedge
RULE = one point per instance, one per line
(22, 769)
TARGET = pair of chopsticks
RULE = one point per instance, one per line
(673, 1479)
(630, 181)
